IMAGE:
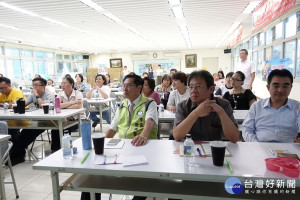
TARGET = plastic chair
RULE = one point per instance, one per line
(5, 148)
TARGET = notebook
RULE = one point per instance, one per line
(204, 148)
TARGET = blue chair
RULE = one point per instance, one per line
(5, 148)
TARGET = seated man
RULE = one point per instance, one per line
(10, 95)
(202, 115)
(38, 97)
(142, 114)
(275, 119)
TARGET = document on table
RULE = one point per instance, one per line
(118, 146)
(131, 160)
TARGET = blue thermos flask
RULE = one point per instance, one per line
(86, 131)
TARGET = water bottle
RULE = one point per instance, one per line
(51, 108)
(86, 134)
(67, 146)
(161, 107)
(57, 105)
(188, 150)
(5, 106)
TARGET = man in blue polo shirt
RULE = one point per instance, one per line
(275, 119)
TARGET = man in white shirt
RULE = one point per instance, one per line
(247, 67)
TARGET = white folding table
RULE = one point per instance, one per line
(165, 174)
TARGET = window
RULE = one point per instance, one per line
(50, 67)
(2, 69)
(27, 53)
(298, 60)
(49, 55)
(254, 57)
(74, 57)
(59, 57)
(66, 57)
(290, 26)
(1, 50)
(14, 69)
(289, 52)
(260, 61)
(268, 53)
(12, 52)
(278, 31)
(41, 69)
(39, 55)
(80, 57)
(261, 39)
(28, 69)
(269, 36)
(255, 42)
(251, 43)
(67, 68)
(276, 52)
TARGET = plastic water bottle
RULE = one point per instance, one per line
(188, 150)
(67, 146)
(161, 107)
(51, 108)
(5, 106)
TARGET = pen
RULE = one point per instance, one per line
(229, 166)
(85, 157)
(272, 152)
(199, 152)
(116, 156)
(104, 160)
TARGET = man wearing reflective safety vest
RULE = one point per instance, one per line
(137, 117)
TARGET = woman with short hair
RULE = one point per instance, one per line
(99, 90)
(79, 85)
(148, 90)
(165, 89)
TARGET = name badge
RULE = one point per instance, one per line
(140, 113)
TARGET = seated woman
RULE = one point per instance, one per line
(164, 89)
(79, 85)
(99, 90)
(239, 98)
(110, 83)
(69, 99)
(218, 81)
(148, 89)
(226, 87)
(181, 91)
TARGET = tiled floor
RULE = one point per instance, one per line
(36, 184)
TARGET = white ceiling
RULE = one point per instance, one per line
(91, 32)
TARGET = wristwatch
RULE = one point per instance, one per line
(37, 97)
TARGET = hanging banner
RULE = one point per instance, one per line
(235, 37)
(268, 10)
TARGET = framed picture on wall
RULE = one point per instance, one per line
(191, 60)
(116, 63)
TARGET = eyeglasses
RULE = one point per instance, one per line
(128, 85)
(35, 85)
(197, 87)
(234, 79)
(3, 88)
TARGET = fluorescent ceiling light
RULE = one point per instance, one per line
(178, 12)
(113, 17)
(250, 7)
(92, 5)
(18, 9)
(10, 27)
(185, 34)
(230, 30)
(174, 2)
(55, 21)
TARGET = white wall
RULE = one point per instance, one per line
(129, 58)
